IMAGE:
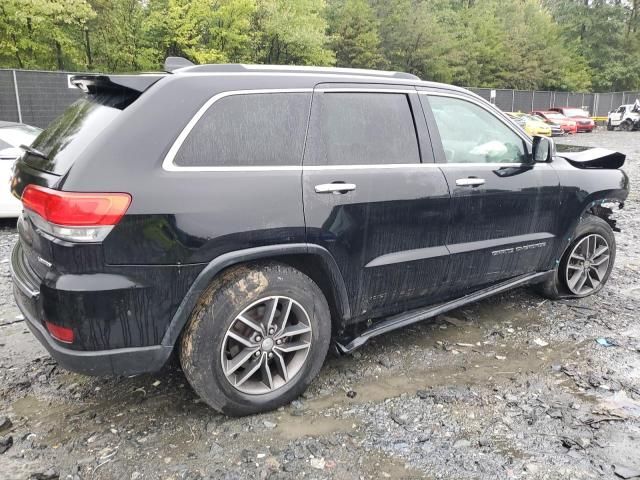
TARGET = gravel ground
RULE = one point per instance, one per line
(512, 387)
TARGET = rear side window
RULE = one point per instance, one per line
(261, 129)
(362, 128)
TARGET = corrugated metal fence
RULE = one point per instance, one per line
(598, 104)
(37, 97)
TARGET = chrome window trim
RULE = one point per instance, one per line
(320, 168)
(168, 162)
(169, 165)
(482, 104)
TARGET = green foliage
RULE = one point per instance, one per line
(355, 37)
(291, 32)
(525, 44)
(607, 35)
(42, 33)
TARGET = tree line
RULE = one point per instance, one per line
(572, 45)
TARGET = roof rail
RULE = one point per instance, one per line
(238, 67)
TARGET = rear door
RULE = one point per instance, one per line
(504, 207)
(616, 117)
(373, 196)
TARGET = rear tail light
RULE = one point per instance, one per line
(74, 216)
(62, 334)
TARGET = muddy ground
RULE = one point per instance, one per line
(512, 387)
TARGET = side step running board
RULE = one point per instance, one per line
(413, 316)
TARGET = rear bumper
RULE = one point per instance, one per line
(119, 361)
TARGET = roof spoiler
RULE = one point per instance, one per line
(100, 83)
(174, 63)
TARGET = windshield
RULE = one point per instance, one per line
(575, 112)
(533, 118)
(64, 139)
(18, 135)
(555, 116)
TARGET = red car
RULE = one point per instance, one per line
(580, 116)
(556, 118)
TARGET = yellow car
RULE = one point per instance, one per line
(531, 124)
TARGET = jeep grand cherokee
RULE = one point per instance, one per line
(249, 217)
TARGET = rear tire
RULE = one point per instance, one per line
(583, 269)
(257, 339)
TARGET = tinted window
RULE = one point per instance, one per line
(68, 135)
(362, 128)
(249, 130)
(470, 134)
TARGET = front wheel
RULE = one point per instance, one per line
(586, 264)
(609, 126)
(626, 126)
(258, 338)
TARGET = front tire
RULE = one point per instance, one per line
(626, 126)
(587, 262)
(257, 339)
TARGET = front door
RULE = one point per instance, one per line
(504, 206)
(374, 198)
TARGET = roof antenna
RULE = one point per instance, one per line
(174, 63)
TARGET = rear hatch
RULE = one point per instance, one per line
(56, 149)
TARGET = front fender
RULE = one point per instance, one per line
(584, 191)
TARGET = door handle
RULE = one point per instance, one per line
(335, 187)
(469, 182)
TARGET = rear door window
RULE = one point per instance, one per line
(362, 128)
(256, 129)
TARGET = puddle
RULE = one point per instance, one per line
(619, 404)
(388, 467)
(293, 427)
(471, 368)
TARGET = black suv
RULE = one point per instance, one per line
(249, 217)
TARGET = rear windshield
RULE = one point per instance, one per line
(68, 135)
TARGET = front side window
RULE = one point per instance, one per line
(362, 128)
(470, 134)
(256, 129)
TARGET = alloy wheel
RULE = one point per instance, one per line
(266, 345)
(587, 265)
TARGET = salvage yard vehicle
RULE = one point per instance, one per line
(281, 210)
(531, 124)
(625, 117)
(12, 136)
(584, 123)
(556, 118)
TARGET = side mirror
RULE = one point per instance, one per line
(543, 149)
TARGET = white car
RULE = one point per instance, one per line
(12, 135)
(625, 117)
